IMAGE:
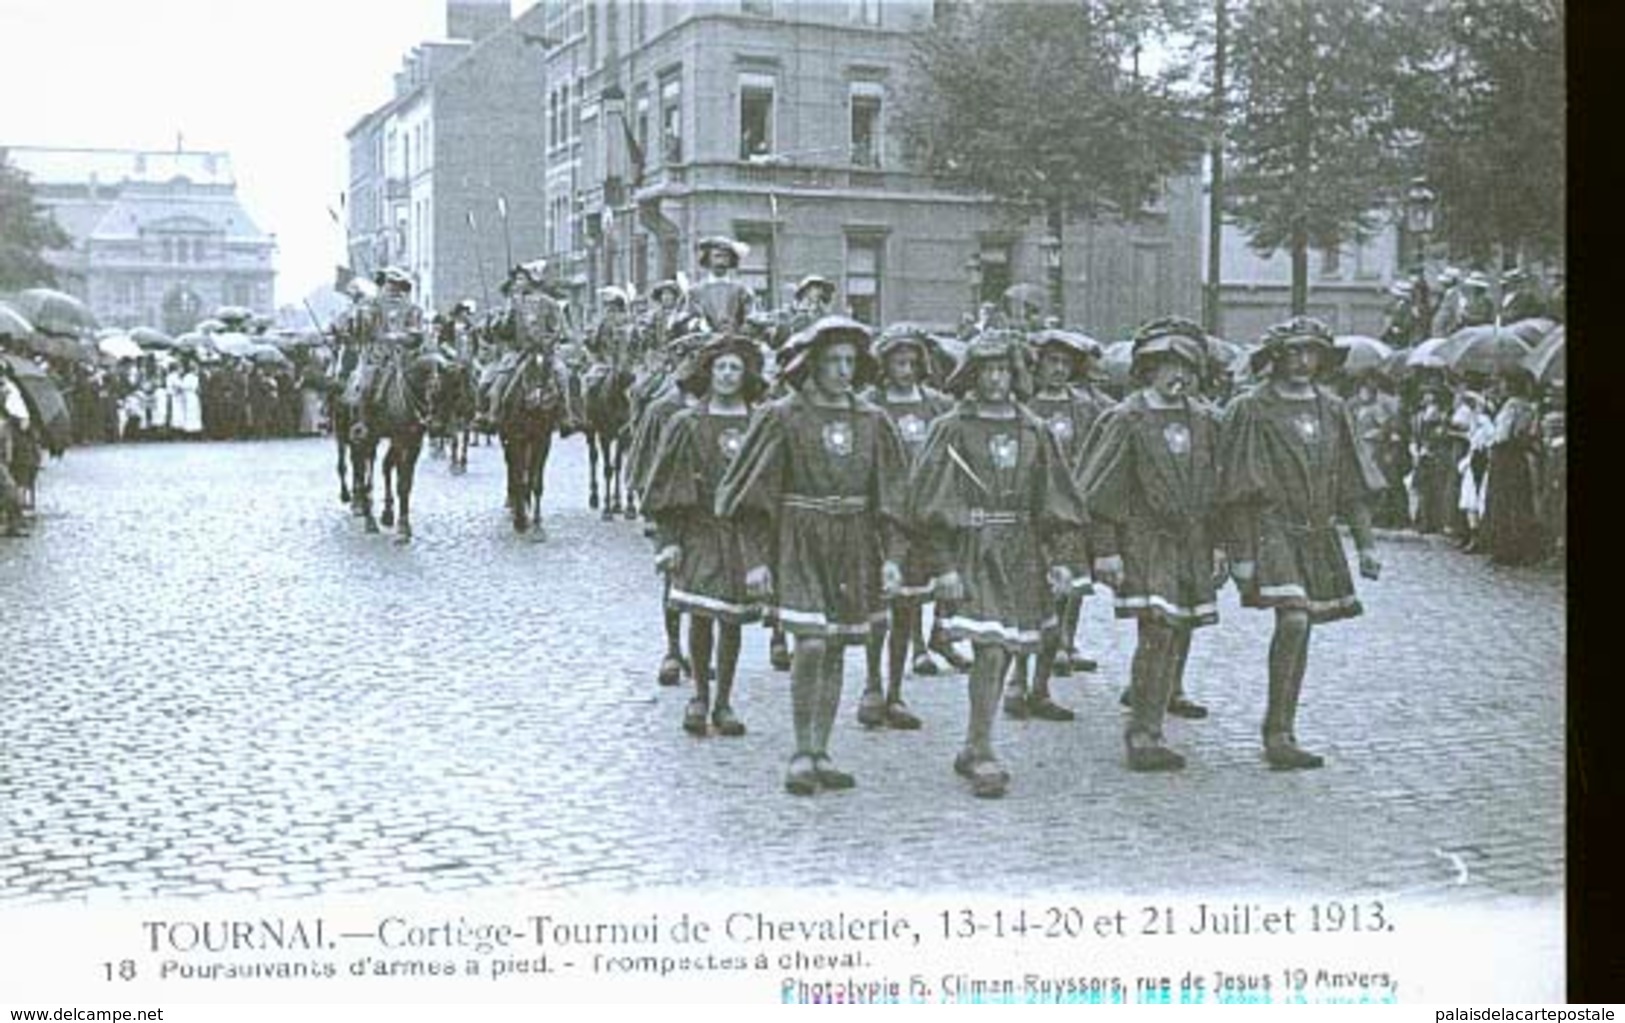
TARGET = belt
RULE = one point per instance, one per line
(831, 505)
(980, 517)
(1301, 527)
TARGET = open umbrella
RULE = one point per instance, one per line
(1365, 354)
(209, 326)
(268, 355)
(1546, 361)
(191, 342)
(1024, 294)
(228, 313)
(232, 344)
(14, 323)
(45, 403)
(1483, 349)
(55, 312)
(120, 347)
(68, 349)
(1426, 355)
(1533, 330)
(147, 337)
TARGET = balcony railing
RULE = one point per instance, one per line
(765, 176)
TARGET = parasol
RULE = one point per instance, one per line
(1365, 354)
(147, 337)
(1486, 349)
(45, 403)
(1533, 330)
(55, 312)
(232, 343)
(268, 355)
(1546, 361)
(191, 342)
(209, 326)
(14, 323)
(119, 347)
(1426, 355)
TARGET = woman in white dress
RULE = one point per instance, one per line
(1472, 418)
(187, 413)
(158, 419)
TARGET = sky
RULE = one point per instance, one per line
(274, 83)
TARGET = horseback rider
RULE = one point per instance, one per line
(386, 328)
(724, 302)
(532, 324)
(660, 323)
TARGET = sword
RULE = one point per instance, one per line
(959, 460)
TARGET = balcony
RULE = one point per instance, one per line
(765, 176)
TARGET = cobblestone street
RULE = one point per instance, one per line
(214, 681)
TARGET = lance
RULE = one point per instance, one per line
(479, 258)
(507, 235)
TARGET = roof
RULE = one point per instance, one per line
(51, 166)
(135, 211)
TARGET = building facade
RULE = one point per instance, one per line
(445, 178)
(157, 238)
(774, 121)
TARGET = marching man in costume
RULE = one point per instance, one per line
(703, 555)
(818, 491)
(993, 499)
(1151, 481)
(1290, 465)
(1064, 358)
(903, 354)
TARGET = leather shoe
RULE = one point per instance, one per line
(872, 709)
(831, 778)
(671, 672)
(1045, 709)
(802, 777)
(694, 718)
(926, 666)
(727, 724)
(1015, 704)
(898, 716)
(1153, 756)
(1285, 755)
(1180, 707)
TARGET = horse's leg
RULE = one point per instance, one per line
(406, 470)
(341, 433)
(544, 445)
(387, 519)
(621, 473)
(592, 468)
(514, 448)
(362, 462)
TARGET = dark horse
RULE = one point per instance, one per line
(528, 408)
(406, 392)
(606, 393)
(341, 416)
(454, 417)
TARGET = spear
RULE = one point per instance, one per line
(479, 258)
(507, 236)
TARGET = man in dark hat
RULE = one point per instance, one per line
(1291, 465)
(904, 354)
(533, 324)
(388, 325)
(814, 300)
(1151, 479)
(702, 555)
(818, 489)
(1520, 299)
(659, 322)
(724, 303)
(993, 499)
(1402, 326)
(1063, 359)
(1477, 306)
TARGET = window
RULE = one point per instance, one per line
(197, 250)
(866, 12)
(755, 115)
(1331, 262)
(671, 119)
(761, 7)
(866, 100)
(553, 118)
(863, 266)
(564, 114)
(575, 108)
(640, 119)
(756, 270)
(169, 250)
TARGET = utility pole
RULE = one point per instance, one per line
(1213, 313)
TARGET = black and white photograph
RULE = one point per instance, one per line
(928, 501)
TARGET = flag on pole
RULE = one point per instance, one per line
(342, 276)
(502, 206)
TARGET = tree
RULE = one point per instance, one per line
(1489, 110)
(26, 232)
(1316, 143)
(1043, 105)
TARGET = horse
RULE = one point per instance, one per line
(341, 417)
(406, 392)
(453, 421)
(528, 406)
(606, 397)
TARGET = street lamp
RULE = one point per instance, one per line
(1420, 201)
(1050, 246)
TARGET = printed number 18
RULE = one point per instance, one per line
(123, 970)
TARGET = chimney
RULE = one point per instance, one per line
(474, 20)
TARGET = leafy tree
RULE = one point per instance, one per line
(1489, 108)
(1043, 105)
(1316, 141)
(26, 231)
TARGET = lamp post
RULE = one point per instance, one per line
(1420, 201)
(1050, 246)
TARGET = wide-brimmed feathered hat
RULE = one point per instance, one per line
(393, 275)
(721, 243)
(665, 287)
(1170, 335)
(813, 282)
(612, 295)
(1081, 347)
(526, 276)
(1297, 331)
(796, 356)
(696, 374)
(992, 346)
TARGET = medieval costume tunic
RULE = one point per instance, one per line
(669, 400)
(1288, 467)
(726, 304)
(913, 420)
(1151, 482)
(993, 499)
(696, 450)
(818, 495)
(1069, 418)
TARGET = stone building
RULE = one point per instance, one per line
(158, 238)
